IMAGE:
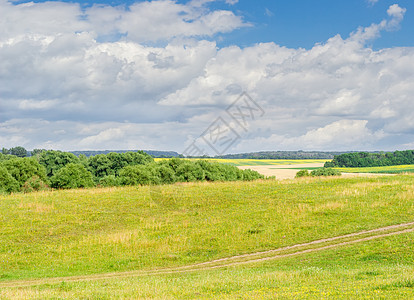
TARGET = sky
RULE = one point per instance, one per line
(207, 76)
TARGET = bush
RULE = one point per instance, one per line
(53, 161)
(166, 174)
(325, 172)
(7, 183)
(72, 176)
(34, 184)
(190, 171)
(302, 173)
(134, 175)
(22, 169)
(110, 180)
(249, 175)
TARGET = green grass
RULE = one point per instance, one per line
(386, 170)
(381, 269)
(79, 232)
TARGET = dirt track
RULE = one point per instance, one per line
(315, 246)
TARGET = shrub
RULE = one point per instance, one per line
(72, 176)
(34, 184)
(53, 161)
(22, 169)
(166, 174)
(302, 173)
(110, 180)
(325, 172)
(7, 183)
(140, 174)
(190, 171)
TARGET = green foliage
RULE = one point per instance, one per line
(139, 175)
(102, 165)
(24, 168)
(189, 171)
(364, 159)
(34, 184)
(18, 151)
(72, 176)
(53, 161)
(325, 172)
(302, 173)
(7, 183)
(110, 180)
(65, 170)
(36, 152)
(166, 174)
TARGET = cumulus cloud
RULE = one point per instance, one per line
(105, 77)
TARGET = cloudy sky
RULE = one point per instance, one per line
(161, 74)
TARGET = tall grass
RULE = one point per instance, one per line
(60, 233)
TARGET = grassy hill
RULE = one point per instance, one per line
(146, 229)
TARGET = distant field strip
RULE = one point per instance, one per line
(386, 169)
(298, 249)
(266, 162)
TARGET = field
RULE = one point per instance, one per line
(146, 242)
(266, 162)
(380, 170)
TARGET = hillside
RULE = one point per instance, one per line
(111, 230)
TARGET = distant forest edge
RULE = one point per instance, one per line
(366, 159)
(340, 158)
(22, 152)
(153, 153)
(283, 155)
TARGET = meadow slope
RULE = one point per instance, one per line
(139, 229)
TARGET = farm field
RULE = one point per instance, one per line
(380, 170)
(267, 162)
(145, 230)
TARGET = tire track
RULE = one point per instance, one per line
(231, 261)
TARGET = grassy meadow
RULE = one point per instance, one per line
(101, 230)
(385, 170)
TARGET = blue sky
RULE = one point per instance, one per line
(329, 75)
(302, 23)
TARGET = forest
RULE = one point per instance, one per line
(365, 159)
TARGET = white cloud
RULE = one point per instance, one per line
(89, 79)
(372, 2)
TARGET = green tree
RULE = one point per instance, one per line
(7, 183)
(53, 160)
(140, 174)
(36, 152)
(100, 166)
(72, 176)
(190, 171)
(18, 151)
(24, 168)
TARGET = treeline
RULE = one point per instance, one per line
(283, 155)
(153, 153)
(22, 152)
(365, 159)
(64, 170)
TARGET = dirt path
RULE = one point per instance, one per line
(298, 249)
